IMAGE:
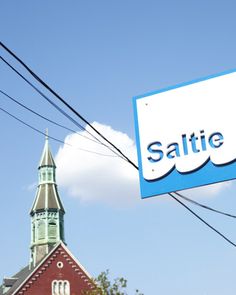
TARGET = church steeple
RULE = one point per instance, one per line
(47, 158)
(47, 212)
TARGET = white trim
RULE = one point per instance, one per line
(56, 197)
(76, 261)
(46, 257)
(55, 287)
(60, 264)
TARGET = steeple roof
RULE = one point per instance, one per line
(47, 158)
(47, 212)
(47, 197)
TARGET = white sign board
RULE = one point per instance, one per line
(186, 134)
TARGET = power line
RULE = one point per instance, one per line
(62, 126)
(43, 95)
(57, 107)
(204, 206)
(66, 104)
(45, 118)
(51, 137)
(101, 135)
(202, 220)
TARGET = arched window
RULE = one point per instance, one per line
(55, 290)
(66, 288)
(60, 287)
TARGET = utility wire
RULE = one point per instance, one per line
(102, 136)
(204, 206)
(64, 127)
(202, 220)
(66, 104)
(51, 137)
(45, 118)
(58, 108)
(42, 94)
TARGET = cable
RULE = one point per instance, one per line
(102, 136)
(51, 137)
(204, 206)
(41, 116)
(66, 104)
(202, 220)
(57, 124)
(43, 95)
(57, 107)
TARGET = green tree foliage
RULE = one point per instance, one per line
(105, 287)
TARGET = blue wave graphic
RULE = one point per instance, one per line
(174, 180)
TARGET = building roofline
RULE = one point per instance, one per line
(45, 258)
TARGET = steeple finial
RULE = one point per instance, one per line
(47, 158)
(46, 134)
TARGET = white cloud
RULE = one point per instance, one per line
(92, 177)
(207, 191)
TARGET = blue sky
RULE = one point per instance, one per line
(98, 55)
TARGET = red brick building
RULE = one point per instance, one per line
(52, 269)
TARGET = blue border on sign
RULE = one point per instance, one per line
(184, 84)
(175, 180)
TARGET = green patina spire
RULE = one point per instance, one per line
(46, 158)
(47, 212)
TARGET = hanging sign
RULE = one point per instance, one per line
(186, 135)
